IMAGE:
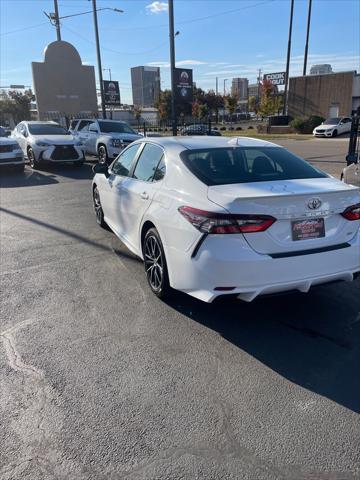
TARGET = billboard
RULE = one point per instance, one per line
(183, 85)
(111, 92)
(275, 78)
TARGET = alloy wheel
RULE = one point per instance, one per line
(154, 262)
(97, 207)
(31, 158)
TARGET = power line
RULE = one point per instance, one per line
(26, 28)
(116, 51)
(184, 22)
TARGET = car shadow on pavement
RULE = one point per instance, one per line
(311, 339)
(28, 178)
(46, 176)
(83, 172)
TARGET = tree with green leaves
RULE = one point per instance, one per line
(203, 110)
(16, 104)
(231, 103)
(253, 104)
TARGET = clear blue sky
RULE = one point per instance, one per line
(217, 37)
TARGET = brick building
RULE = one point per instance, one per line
(330, 95)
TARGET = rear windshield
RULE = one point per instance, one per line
(115, 127)
(222, 166)
(46, 129)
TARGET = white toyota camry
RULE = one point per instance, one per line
(211, 216)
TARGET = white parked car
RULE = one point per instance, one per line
(103, 138)
(11, 154)
(333, 127)
(212, 216)
(48, 142)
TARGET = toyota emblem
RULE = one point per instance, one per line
(314, 203)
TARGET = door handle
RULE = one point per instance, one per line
(144, 196)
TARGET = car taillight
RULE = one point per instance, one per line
(352, 213)
(212, 222)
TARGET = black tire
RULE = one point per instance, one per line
(102, 154)
(334, 134)
(155, 264)
(34, 164)
(98, 209)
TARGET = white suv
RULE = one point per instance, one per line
(103, 138)
(48, 142)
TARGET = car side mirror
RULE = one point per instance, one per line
(101, 168)
(25, 134)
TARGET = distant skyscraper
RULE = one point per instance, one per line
(321, 69)
(239, 88)
(145, 83)
(254, 90)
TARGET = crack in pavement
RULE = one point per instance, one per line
(40, 436)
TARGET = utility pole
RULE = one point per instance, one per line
(288, 57)
(99, 59)
(57, 21)
(259, 79)
(225, 80)
(172, 66)
(307, 37)
(216, 88)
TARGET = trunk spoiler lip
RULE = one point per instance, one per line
(270, 194)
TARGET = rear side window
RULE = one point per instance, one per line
(222, 166)
(123, 163)
(148, 162)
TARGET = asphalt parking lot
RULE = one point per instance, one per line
(101, 380)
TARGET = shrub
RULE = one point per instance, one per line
(222, 128)
(238, 128)
(250, 127)
(231, 128)
(307, 124)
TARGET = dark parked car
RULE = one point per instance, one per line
(199, 130)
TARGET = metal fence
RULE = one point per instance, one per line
(186, 125)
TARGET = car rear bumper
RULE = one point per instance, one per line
(230, 263)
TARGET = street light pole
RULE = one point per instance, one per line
(172, 66)
(57, 21)
(109, 70)
(288, 57)
(307, 38)
(103, 109)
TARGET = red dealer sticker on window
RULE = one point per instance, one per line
(310, 228)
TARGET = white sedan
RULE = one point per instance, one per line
(48, 142)
(333, 127)
(211, 216)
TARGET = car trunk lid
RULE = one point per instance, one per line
(307, 212)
